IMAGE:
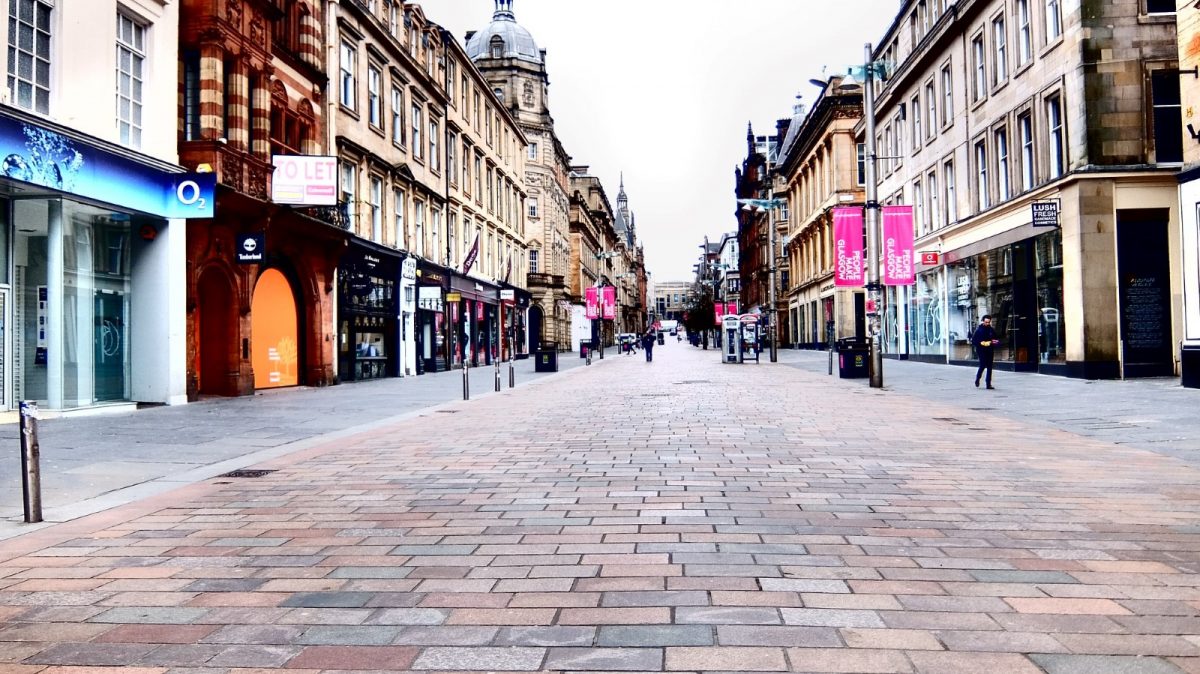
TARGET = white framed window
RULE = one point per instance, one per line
(947, 95)
(394, 17)
(29, 54)
(349, 189)
(466, 165)
(1000, 138)
(982, 197)
(374, 101)
(435, 234)
(918, 204)
(1024, 34)
(397, 116)
(533, 261)
(451, 235)
(999, 51)
(376, 209)
(418, 120)
(400, 203)
(979, 68)
(533, 206)
(1025, 129)
(533, 151)
(451, 155)
(931, 183)
(861, 173)
(951, 195)
(1053, 21)
(348, 65)
(435, 157)
(131, 58)
(915, 106)
(418, 227)
(931, 100)
(1054, 136)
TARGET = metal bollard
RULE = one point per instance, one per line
(512, 374)
(31, 454)
(497, 362)
(466, 381)
(589, 356)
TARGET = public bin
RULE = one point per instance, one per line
(660, 338)
(854, 358)
(583, 349)
(546, 359)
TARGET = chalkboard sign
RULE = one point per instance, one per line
(1146, 328)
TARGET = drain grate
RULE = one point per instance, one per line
(247, 473)
(693, 381)
(948, 419)
(445, 411)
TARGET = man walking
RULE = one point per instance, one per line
(648, 340)
(985, 340)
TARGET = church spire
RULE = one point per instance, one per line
(622, 199)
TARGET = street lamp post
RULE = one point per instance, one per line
(874, 298)
(767, 205)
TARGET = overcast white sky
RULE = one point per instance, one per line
(663, 89)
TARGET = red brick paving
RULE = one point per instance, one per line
(793, 521)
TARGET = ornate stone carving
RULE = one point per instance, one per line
(527, 95)
(233, 11)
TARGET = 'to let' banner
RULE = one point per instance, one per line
(848, 246)
(609, 303)
(592, 303)
(898, 246)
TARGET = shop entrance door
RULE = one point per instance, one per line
(1144, 280)
(1023, 330)
(109, 345)
(275, 352)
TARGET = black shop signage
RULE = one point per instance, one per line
(250, 248)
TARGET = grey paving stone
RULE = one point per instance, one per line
(167, 615)
(180, 655)
(348, 635)
(447, 635)
(604, 659)
(722, 615)
(254, 656)
(641, 636)
(251, 542)
(804, 585)
(370, 572)
(255, 634)
(408, 616)
(771, 635)
(1102, 664)
(224, 585)
(91, 655)
(434, 550)
(328, 599)
(664, 598)
(1006, 576)
(828, 617)
(546, 636)
(480, 659)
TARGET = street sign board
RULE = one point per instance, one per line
(507, 295)
(930, 257)
(1045, 213)
(453, 297)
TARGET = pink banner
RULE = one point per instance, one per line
(848, 246)
(898, 246)
(731, 308)
(591, 303)
(609, 304)
(718, 312)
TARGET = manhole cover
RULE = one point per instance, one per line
(247, 473)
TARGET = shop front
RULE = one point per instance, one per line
(91, 238)
(1189, 355)
(515, 310)
(368, 329)
(476, 321)
(433, 281)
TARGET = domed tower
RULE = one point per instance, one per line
(515, 69)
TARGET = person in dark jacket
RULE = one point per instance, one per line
(648, 341)
(985, 342)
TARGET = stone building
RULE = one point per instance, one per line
(821, 167)
(92, 225)
(751, 182)
(252, 77)
(1188, 22)
(515, 70)
(593, 261)
(993, 110)
(671, 299)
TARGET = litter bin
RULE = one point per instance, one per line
(583, 349)
(854, 358)
(546, 359)
(660, 338)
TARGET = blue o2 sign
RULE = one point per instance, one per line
(34, 154)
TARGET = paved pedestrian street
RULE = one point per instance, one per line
(680, 515)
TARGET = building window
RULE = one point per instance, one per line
(400, 204)
(1160, 6)
(533, 261)
(479, 178)
(915, 106)
(1053, 21)
(451, 244)
(1002, 180)
(466, 164)
(418, 119)
(533, 151)
(374, 103)
(491, 202)
(887, 148)
(1054, 133)
(131, 55)
(435, 157)
(397, 116)
(1168, 120)
(393, 11)
(983, 199)
(29, 54)
(349, 179)
(348, 66)
(979, 67)
(1025, 128)
(919, 208)
(451, 77)
(947, 95)
(419, 227)
(533, 207)
(862, 164)
(931, 101)
(376, 209)
(191, 94)
(1024, 34)
(1000, 47)
(932, 186)
(435, 235)
(951, 197)
(451, 153)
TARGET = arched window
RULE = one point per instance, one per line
(497, 47)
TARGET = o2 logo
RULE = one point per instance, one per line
(189, 194)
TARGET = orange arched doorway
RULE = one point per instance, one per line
(217, 331)
(275, 353)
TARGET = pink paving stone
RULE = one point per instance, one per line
(156, 634)
(1128, 567)
(510, 616)
(897, 639)
(727, 598)
(1066, 606)
(465, 600)
(614, 616)
(382, 658)
(555, 599)
(726, 658)
(973, 663)
(622, 570)
(849, 661)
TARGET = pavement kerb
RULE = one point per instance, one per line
(272, 457)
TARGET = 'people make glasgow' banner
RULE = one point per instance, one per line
(848, 246)
(898, 246)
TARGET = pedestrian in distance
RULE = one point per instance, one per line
(648, 340)
(985, 343)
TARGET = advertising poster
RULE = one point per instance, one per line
(898, 246)
(609, 302)
(848, 247)
(591, 298)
